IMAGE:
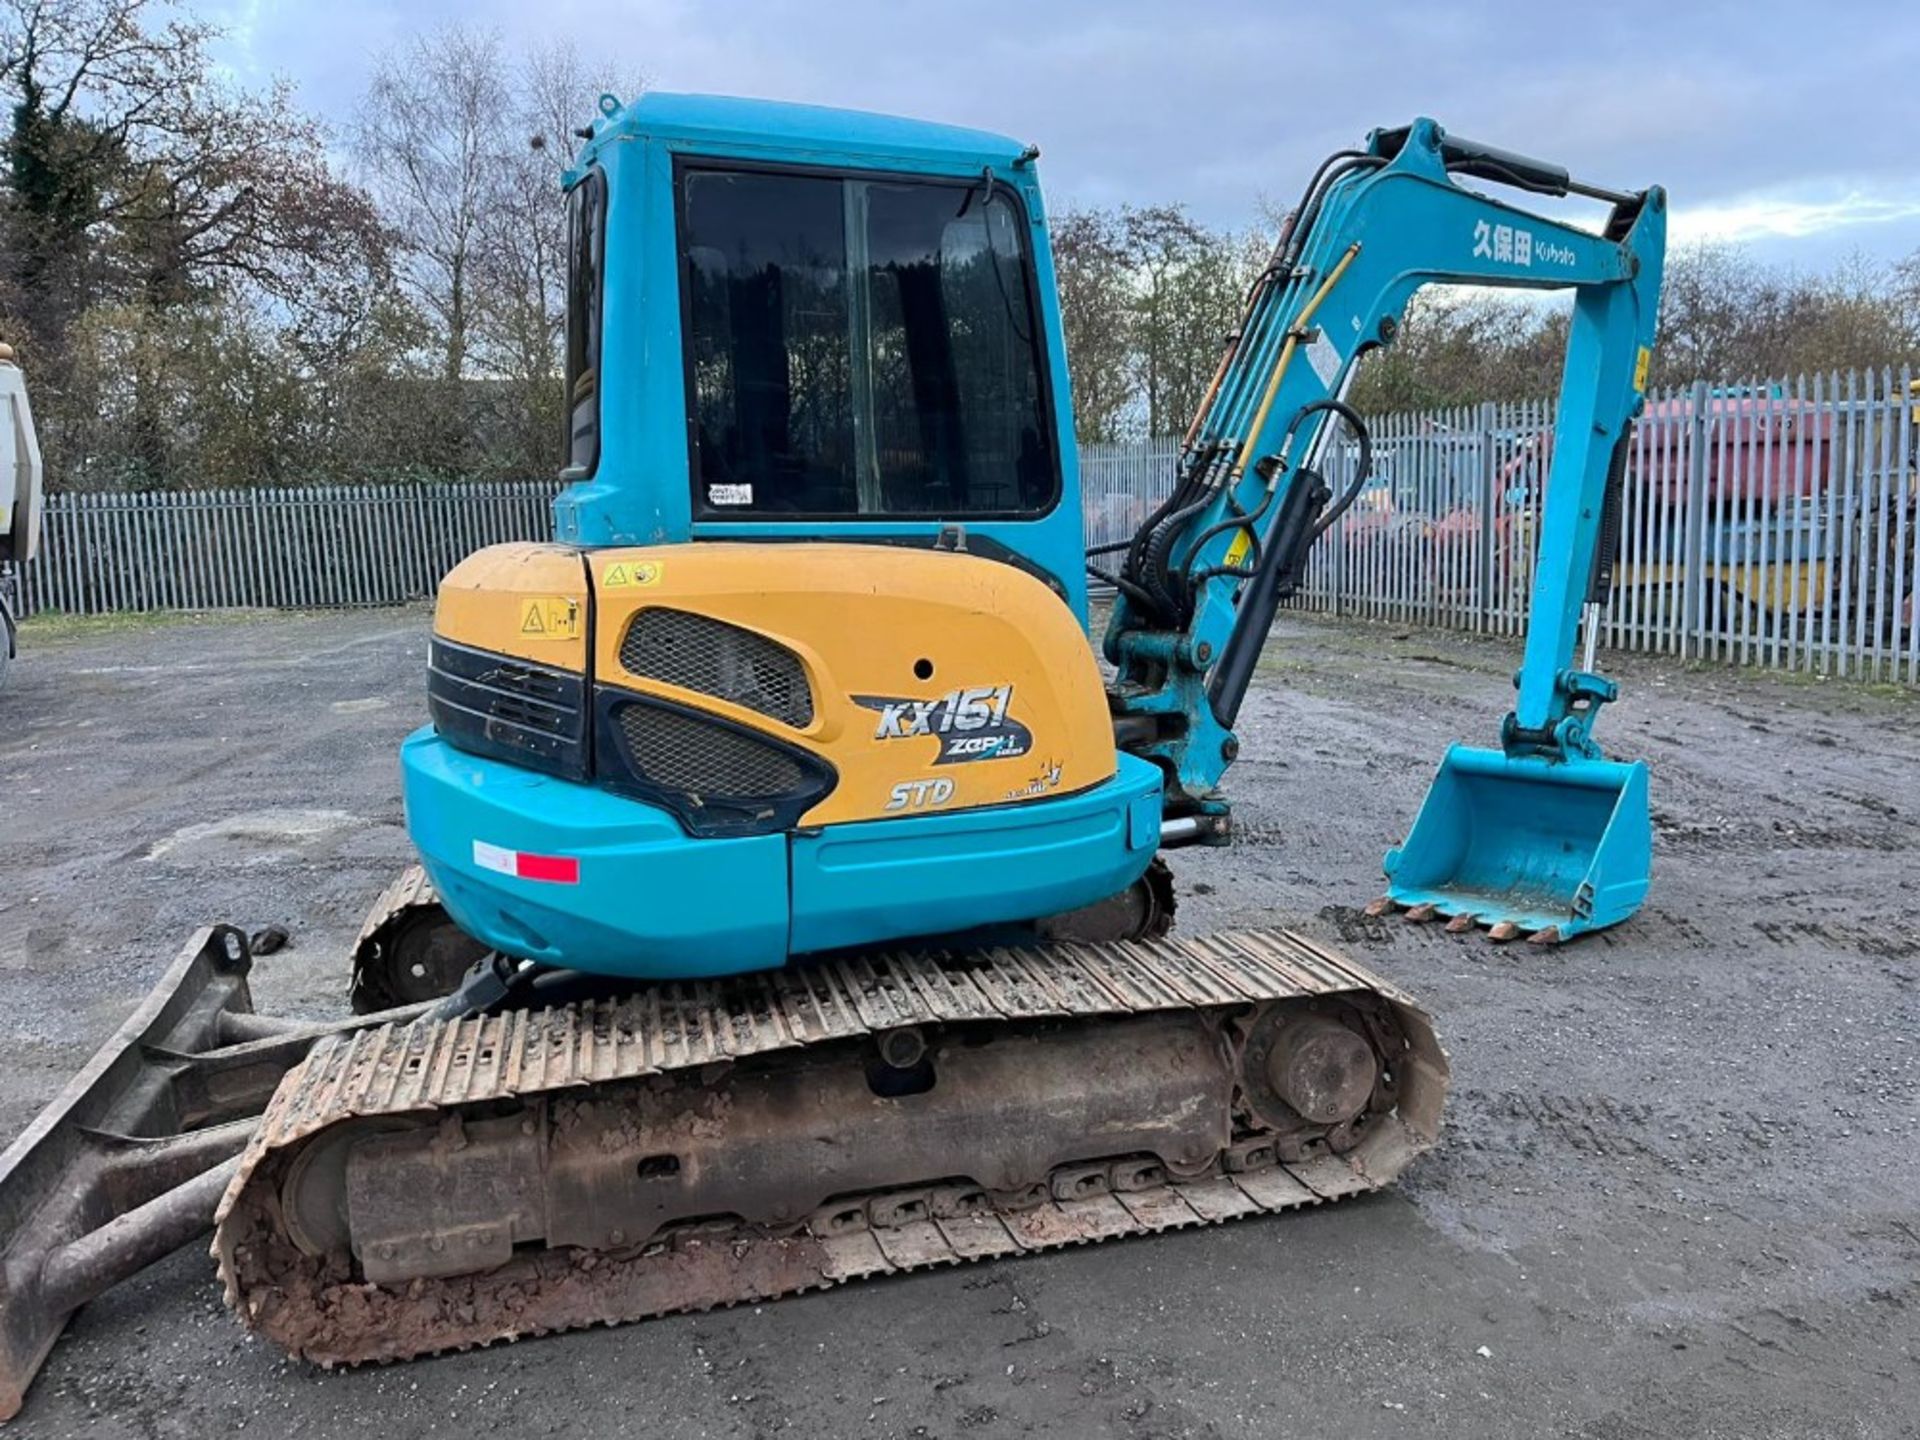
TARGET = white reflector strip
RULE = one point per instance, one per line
(495, 857)
(555, 869)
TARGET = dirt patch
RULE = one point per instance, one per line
(1674, 1196)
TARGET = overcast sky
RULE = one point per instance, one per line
(1790, 126)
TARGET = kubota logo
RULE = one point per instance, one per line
(970, 724)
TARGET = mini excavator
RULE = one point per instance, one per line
(791, 907)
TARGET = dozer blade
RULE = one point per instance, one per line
(1527, 846)
(441, 1185)
(129, 1162)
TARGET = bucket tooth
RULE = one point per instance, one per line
(1549, 935)
(1503, 931)
(1421, 914)
(1462, 921)
(1381, 906)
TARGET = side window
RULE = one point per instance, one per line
(586, 286)
(959, 422)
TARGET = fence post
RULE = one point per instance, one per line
(1906, 591)
(1692, 604)
(1489, 512)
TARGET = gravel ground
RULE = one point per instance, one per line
(1675, 1195)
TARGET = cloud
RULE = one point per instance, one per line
(1776, 217)
(1744, 109)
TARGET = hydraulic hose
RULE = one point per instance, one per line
(1239, 520)
(1281, 565)
(1120, 582)
(1335, 168)
(1286, 358)
(1154, 573)
(1148, 566)
(1362, 468)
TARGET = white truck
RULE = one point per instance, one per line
(20, 492)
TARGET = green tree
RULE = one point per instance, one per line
(1094, 282)
(1148, 297)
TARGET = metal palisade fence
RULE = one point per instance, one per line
(316, 547)
(1120, 485)
(1768, 523)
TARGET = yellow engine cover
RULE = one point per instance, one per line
(938, 681)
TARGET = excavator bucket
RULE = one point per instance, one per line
(1528, 846)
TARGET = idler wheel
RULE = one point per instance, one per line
(1320, 1067)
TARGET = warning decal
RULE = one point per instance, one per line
(1324, 359)
(624, 574)
(1237, 551)
(549, 618)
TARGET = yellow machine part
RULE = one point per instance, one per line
(1780, 588)
(527, 601)
(903, 649)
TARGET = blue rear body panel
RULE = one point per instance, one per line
(884, 879)
(651, 902)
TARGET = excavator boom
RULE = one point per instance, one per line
(1543, 835)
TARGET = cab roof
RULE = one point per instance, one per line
(725, 124)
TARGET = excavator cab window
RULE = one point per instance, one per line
(586, 277)
(861, 346)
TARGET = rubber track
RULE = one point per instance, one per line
(411, 890)
(317, 1309)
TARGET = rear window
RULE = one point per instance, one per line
(862, 346)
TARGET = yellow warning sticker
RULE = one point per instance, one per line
(1237, 551)
(625, 574)
(1640, 364)
(549, 618)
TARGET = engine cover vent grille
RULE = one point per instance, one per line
(717, 776)
(697, 652)
(683, 752)
(508, 709)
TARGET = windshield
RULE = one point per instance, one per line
(861, 347)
